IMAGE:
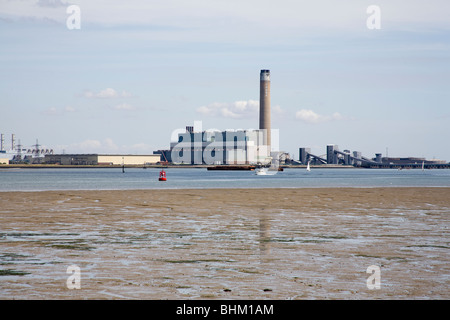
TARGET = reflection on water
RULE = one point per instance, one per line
(264, 234)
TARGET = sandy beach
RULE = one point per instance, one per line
(226, 243)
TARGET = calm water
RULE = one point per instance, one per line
(138, 178)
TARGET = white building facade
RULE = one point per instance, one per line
(214, 147)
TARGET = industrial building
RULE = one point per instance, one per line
(220, 147)
(165, 156)
(227, 147)
(334, 156)
(18, 153)
(99, 159)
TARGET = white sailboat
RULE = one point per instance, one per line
(308, 168)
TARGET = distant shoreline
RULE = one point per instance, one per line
(160, 166)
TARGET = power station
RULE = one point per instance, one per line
(17, 153)
(230, 147)
(214, 147)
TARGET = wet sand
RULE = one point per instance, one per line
(226, 244)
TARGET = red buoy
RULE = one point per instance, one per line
(162, 176)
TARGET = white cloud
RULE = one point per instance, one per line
(124, 106)
(309, 116)
(277, 110)
(138, 148)
(110, 145)
(52, 111)
(91, 146)
(235, 110)
(69, 109)
(108, 93)
(51, 3)
(106, 146)
(126, 94)
(86, 146)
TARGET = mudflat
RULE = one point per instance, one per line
(226, 244)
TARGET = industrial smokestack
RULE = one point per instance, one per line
(264, 105)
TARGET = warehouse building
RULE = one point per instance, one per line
(101, 159)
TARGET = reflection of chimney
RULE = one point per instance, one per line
(264, 234)
(264, 104)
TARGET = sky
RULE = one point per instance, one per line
(133, 72)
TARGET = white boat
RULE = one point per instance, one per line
(308, 168)
(266, 169)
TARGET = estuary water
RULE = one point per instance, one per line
(194, 178)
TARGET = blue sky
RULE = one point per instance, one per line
(138, 70)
